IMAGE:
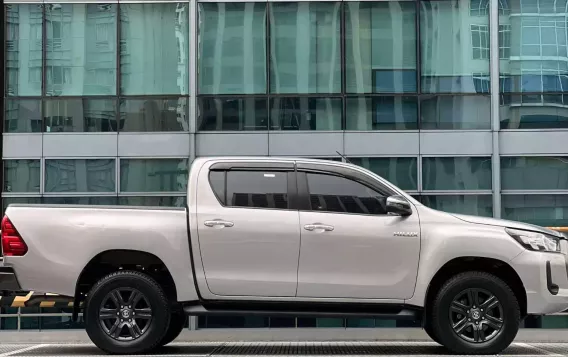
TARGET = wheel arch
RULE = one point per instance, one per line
(109, 261)
(493, 266)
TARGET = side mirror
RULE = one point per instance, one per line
(398, 205)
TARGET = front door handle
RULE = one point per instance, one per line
(318, 227)
(217, 223)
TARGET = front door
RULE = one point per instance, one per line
(249, 236)
(351, 247)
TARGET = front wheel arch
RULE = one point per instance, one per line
(492, 266)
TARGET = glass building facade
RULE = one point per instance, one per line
(459, 102)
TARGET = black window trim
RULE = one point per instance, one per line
(304, 203)
(291, 191)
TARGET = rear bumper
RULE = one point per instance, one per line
(545, 278)
(8, 280)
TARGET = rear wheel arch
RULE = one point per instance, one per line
(111, 261)
(493, 266)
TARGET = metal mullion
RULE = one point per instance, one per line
(418, 58)
(118, 71)
(153, 194)
(21, 194)
(456, 193)
(342, 56)
(534, 192)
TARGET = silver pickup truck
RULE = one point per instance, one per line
(285, 236)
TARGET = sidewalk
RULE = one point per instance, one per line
(307, 335)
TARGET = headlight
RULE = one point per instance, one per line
(535, 240)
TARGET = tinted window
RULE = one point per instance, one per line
(338, 194)
(260, 189)
(217, 181)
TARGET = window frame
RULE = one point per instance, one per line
(226, 167)
(342, 172)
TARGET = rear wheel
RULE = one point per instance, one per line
(475, 313)
(127, 312)
(430, 332)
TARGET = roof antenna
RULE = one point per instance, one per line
(344, 158)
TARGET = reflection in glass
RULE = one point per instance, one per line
(232, 114)
(80, 115)
(100, 201)
(232, 48)
(303, 113)
(141, 115)
(381, 113)
(542, 210)
(400, 171)
(455, 112)
(456, 173)
(23, 49)
(477, 205)
(162, 201)
(539, 48)
(534, 173)
(22, 175)
(22, 116)
(154, 48)
(90, 175)
(448, 65)
(380, 46)
(153, 175)
(81, 49)
(534, 111)
(305, 47)
(19, 200)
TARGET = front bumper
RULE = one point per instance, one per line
(8, 280)
(545, 278)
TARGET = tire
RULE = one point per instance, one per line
(142, 318)
(488, 328)
(177, 323)
(430, 332)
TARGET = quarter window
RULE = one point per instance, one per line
(337, 194)
(253, 189)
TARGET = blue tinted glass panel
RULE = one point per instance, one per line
(91, 175)
(101, 201)
(303, 113)
(22, 175)
(534, 173)
(455, 112)
(380, 46)
(477, 205)
(154, 48)
(147, 115)
(305, 47)
(543, 210)
(79, 115)
(446, 68)
(23, 49)
(165, 201)
(80, 49)
(400, 171)
(22, 116)
(232, 114)
(381, 113)
(232, 48)
(456, 173)
(153, 175)
(548, 112)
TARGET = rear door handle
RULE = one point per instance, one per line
(217, 223)
(318, 227)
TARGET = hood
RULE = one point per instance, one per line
(507, 224)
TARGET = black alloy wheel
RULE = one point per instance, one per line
(476, 315)
(125, 314)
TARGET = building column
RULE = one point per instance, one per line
(495, 122)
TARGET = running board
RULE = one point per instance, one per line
(311, 310)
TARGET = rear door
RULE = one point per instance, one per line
(249, 229)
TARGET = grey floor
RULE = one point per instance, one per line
(284, 342)
(240, 349)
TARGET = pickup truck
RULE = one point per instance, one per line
(286, 236)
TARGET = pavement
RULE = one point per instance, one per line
(280, 342)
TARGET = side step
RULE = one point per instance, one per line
(311, 310)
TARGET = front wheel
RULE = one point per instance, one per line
(475, 313)
(127, 312)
